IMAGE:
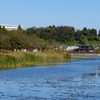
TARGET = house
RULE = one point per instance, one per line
(85, 49)
(69, 48)
(9, 27)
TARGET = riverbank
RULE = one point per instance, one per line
(22, 59)
(85, 54)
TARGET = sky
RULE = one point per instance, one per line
(43, 13)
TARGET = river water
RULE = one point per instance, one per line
(75, 80)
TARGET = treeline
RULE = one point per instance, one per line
(47, 38)
(19, 39)
(67, 35)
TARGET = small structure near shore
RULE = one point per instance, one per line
(69, 48)
(85, 49)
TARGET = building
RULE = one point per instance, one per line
(69, 48)
(9, 27)
(85, 49)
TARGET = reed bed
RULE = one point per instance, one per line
(20, 59)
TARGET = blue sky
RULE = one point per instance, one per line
(42, 13)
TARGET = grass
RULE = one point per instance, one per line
(21, 59)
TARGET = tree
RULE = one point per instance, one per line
(93, 32)
(19, 27)
(99, 34)
(4, 42)
(15, 43)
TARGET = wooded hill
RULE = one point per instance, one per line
(47, 37)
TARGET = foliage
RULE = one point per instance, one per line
(49, 37)
(98, 50)
(66, 35)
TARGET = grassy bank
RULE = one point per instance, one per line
(20, 59)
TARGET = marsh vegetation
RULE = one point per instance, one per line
(22, 59)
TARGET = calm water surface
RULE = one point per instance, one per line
(75, 80)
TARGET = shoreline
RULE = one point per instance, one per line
(84, 54)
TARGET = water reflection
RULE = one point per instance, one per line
(98, 68)
(91, 75)
(95, 74)
(48, 64)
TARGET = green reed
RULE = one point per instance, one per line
(20, 59)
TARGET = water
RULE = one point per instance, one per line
(75, 80)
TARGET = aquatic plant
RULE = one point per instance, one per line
(21, 59)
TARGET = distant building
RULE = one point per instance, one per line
(69, 48)
(85, 49)
(9, 27)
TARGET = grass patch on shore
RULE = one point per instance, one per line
(21, 59)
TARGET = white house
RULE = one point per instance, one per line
(9, 27)
(71, 48)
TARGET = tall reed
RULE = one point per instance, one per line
(20, 59)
